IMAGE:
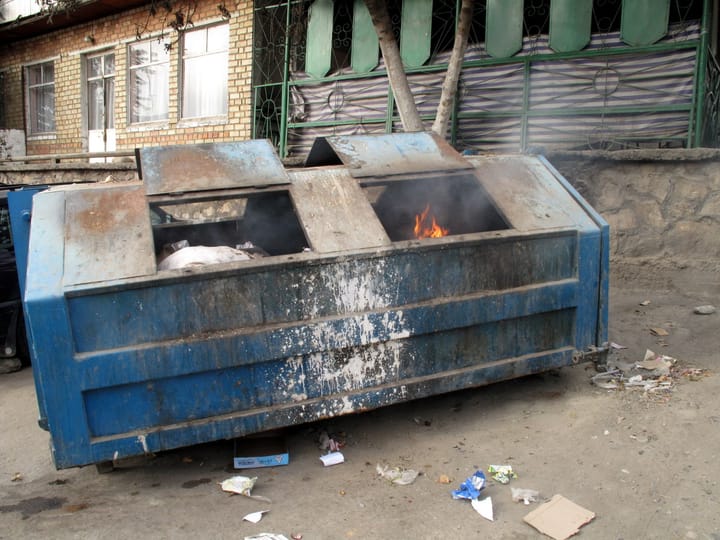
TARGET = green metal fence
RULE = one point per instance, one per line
(556, 80)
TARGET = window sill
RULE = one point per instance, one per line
(205, 121)
(148, 126)
(42, 137)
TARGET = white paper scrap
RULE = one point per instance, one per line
(255, 517)
(242, 485)
(333, 458)
(483, 507)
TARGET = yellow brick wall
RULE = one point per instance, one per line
(113, 34)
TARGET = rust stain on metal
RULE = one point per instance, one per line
(204, 167)
(106, 210)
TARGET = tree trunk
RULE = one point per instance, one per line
(450, 84)
(393, 64)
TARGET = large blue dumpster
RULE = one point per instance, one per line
(338, 308)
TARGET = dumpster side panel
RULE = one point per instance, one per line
(60, 404)
(139, 363)
(349, 335)
(264, 296)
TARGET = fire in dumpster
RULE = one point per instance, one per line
(426, 226)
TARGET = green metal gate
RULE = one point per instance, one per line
(537, 73)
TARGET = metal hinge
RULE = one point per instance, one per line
(598, 355)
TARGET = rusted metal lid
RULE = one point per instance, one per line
(200, 167)
(388, 154)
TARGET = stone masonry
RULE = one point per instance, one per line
(660, 204)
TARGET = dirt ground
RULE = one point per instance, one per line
(646, 464)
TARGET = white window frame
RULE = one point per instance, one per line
(213, 117)
(31, 118)
(131, 118)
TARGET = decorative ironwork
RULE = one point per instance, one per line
(607, 95)
(711, 127)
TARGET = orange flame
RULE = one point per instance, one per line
(423, 229)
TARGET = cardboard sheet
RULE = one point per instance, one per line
(559, 518)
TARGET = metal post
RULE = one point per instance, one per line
(700, 75)
(390, 108)
(286, 76)
(526, 105)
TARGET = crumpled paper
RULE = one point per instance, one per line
(397, 475)
(502, 473)
(242, 485)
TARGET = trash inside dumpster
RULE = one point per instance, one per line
(390, 268)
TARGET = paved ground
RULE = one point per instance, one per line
(646, 465)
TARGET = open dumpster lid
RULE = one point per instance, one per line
(201, 167)
(387, 155)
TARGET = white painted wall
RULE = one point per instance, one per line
(14, 143)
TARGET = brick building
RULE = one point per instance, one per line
(126, 80)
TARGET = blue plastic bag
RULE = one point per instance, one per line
(471, 487)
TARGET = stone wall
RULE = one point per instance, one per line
(661, 204)
(66, 173)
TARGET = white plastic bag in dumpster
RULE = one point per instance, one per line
(202, 255)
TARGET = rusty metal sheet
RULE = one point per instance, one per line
(182, 168)
(334, 212)
(395, 154)
(528, 195)
(107, 234)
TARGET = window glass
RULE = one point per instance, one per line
(218, 38)
(148, 81)
(95, 66)
(205, 61)
(101, 91)
(109, 64)
(41, 98)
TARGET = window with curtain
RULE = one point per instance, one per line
(40, 80)
(205, 72)
(148, 81)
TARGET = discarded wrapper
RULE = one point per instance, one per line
(333, 458)
(483, 507)
(266, 536)
(526, 496)
(559, 518)
(242, 485)
(397, 475)
(255, 517)
(471, 487)
(502, 473)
